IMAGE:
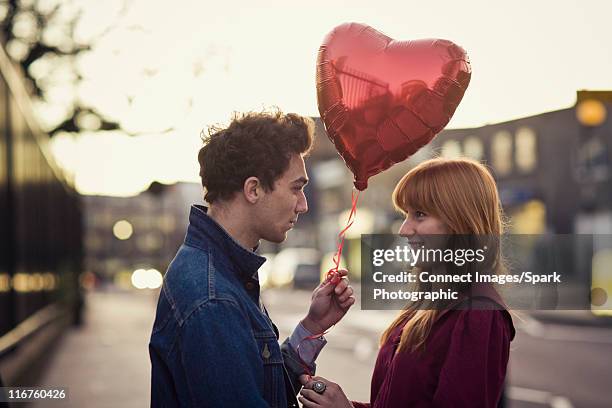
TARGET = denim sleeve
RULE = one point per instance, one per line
(220, 357)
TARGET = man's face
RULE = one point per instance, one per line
(278, 210)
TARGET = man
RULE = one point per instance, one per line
(213, 344)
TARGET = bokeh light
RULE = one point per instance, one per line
(123, 230)
(147, 279)
(591, 112)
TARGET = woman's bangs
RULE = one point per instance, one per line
(413, 192)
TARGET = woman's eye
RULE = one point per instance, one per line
(419, 214)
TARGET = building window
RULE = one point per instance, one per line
(501, 152)
(526, 154)
(592, 159)
(451, 149)
(473, 148)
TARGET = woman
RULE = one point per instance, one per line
(454, 356)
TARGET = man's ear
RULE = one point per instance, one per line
(252, 190)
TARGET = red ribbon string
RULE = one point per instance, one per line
(333, 277)
(332, 274)
(302, 362)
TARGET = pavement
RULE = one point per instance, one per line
(105, 363)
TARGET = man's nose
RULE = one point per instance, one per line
(302, 204)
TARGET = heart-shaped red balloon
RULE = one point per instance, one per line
(381, 100)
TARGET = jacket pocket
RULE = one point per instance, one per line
(272, 360)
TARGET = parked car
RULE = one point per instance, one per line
(297, 267)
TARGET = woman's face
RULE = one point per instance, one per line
(418, 222)
(424, 231)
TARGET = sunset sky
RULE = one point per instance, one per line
(192, 65)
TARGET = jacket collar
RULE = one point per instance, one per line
(203, 232)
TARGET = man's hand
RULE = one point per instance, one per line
(329, 304)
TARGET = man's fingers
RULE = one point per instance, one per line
(325, 288)
(345, 295)
(349, 302)
(304, 379)
(341, 286)
(342, 272)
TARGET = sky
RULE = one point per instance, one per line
(189, 66)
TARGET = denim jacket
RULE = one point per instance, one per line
(213, 344)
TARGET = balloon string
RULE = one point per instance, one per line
(332, 275)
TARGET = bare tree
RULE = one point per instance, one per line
(35, 31)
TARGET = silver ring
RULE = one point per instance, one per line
(319, 387)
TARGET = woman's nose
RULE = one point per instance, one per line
(407, 228)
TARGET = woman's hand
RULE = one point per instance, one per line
(332, 397)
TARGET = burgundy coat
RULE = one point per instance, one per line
(463, 364)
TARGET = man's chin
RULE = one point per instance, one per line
(277, 238)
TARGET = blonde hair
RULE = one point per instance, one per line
(461, 193)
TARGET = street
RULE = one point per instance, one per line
(105, 364)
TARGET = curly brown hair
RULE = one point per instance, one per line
(255, 144)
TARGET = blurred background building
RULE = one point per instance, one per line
(124, 234)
